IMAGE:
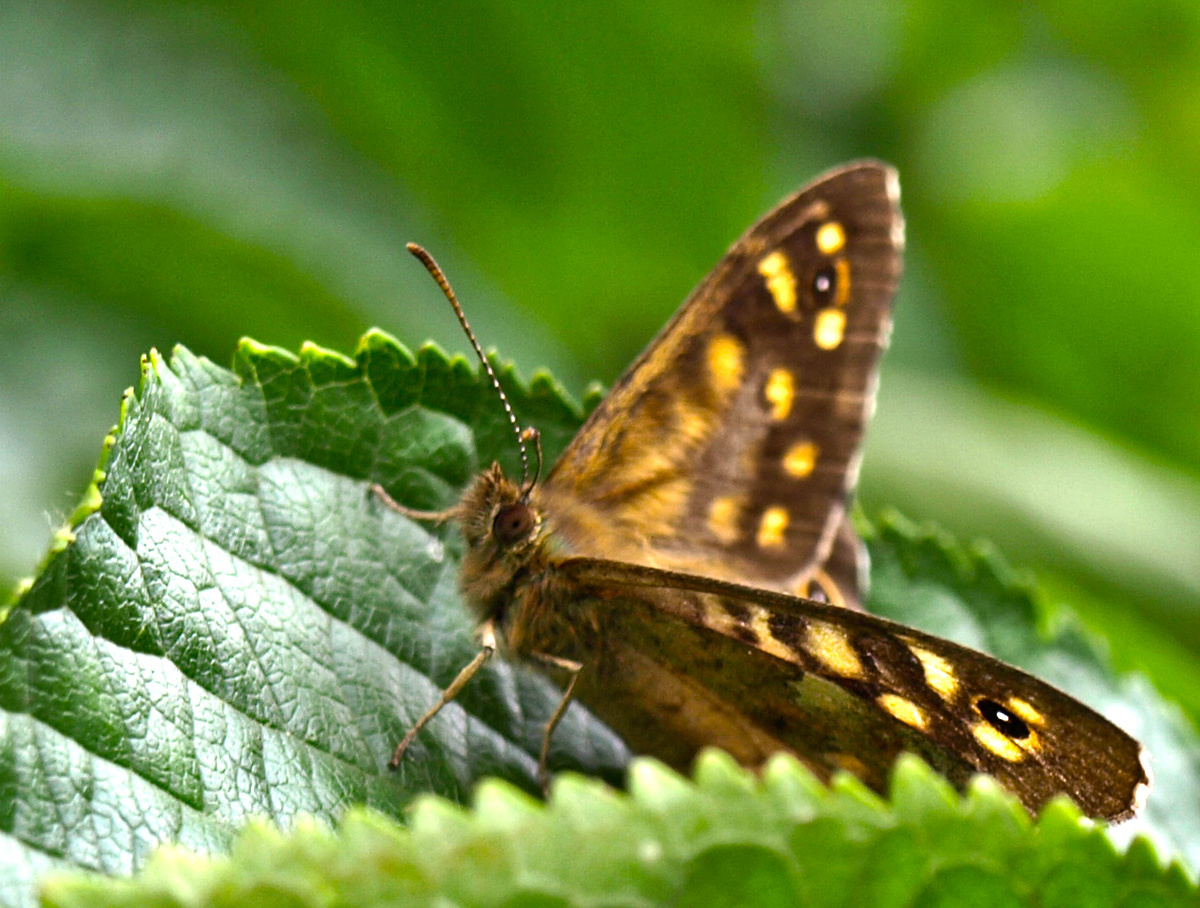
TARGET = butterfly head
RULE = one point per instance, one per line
(503, 530)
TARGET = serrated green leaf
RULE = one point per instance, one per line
(727, 839)
(238, 628)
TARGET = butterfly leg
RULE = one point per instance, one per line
(573, 668)
(412, 513)
(456, 686)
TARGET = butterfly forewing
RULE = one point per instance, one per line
(730, 446)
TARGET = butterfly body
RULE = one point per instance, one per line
(688, 566)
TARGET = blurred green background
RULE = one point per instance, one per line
(193, 172)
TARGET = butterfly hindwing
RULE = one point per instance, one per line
(730, 447)
(840, 689)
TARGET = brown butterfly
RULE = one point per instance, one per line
(688, 568)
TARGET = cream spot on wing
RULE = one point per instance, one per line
(726, 362)
(771, 528)
(1142, 790)
(939, 673)
(997, 743)
(800, 459)
(831, 237)
(829, 328)
(780, 281)
(829, 645)
(904, 709)
(723, 518)
(780, 391)
(892, 185)
(760, 623)
(1026, 711)
(716, 617)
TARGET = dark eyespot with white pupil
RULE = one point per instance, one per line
(825, 283)
(1001, 719)
(513, 523)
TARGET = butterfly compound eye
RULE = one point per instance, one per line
(512, 523)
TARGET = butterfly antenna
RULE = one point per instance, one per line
(438, 275)
(529, 433)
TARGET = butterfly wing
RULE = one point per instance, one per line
(839, 689)
(731, 446)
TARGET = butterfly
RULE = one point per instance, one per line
(688, 569)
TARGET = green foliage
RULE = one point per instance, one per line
(196, 171)
(726, 839)
(235, 627)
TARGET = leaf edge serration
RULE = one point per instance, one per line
(593, 844)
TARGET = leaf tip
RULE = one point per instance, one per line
(716, 768)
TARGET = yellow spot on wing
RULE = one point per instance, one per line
(904, 709)
(726, 362)
(831, 237)
(780, 281)
(939, 673)
(842, 267)
(691, 423)
(997, 743)
(829, 645)
(772, 527)
(780, 392)
(800, 459)
(650, 483)
(1026, 711)
(723, 518)
(820, 582)
(829, 328)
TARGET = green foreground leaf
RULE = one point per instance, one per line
(727, 839)
(233, 627)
